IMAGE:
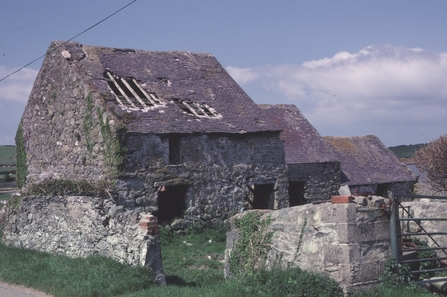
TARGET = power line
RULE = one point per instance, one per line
(89, 28)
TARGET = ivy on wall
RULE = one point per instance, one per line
(62, 186)
(87, 125)
(113, 151)
(252, 245)
(21, 170)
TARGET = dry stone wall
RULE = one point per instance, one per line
(79, 226)
(348, 242)
(424, 209)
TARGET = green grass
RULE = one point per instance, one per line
(193, 267)
(7, 154)
(388, 291)
(5, 196)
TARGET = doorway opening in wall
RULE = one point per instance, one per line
(296, 193)
(382, 190)
(171, 202)
(263, 196)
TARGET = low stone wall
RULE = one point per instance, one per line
(422, 209)
(79, 226)
(348, 242)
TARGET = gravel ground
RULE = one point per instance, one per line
(8, 290)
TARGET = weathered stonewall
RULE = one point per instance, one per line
(348, 242)
(79, 226)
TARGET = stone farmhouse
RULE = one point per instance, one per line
(313, 168)
(172, 130)
(369, 167)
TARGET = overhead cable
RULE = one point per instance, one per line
(89, 28)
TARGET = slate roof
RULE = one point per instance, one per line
(366, 160)
(302, 142)
(195, 77)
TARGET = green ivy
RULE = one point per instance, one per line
(300, 242)
(113, 152)
(62, 186)
(397, 275)
(87, 125)
(252, 245)
(21, 170)
(14, 202)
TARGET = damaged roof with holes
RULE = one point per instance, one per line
(366, 160)
(302, 142)
(168, 92)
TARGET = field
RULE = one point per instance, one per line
(406, 151)
(7, 163)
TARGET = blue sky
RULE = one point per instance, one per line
(352, 67)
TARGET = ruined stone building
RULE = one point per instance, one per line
(173, 129)
(369, 167)
(313, 168)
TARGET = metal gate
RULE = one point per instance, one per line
(401, 241)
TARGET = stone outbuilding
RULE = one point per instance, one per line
(113, 139)
(369, 167)
(313, 168)
(172, 131)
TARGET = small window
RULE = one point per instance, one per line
(382, 189)
(174, 150)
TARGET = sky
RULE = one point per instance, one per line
(353, 68)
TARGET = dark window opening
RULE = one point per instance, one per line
(264, 196)
(382, 190)
(171, 202)
(296, 193)
(174, 151)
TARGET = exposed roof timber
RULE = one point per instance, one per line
(120, 90)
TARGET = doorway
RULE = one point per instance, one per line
(296, 193)
(171, 202)
(264, 196)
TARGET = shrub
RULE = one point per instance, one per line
(432, 159)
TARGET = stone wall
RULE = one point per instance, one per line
(79, 226)
(61, 126)
(322, 180)
(217, 169)
(382, 189)
(348, 242)
(423, 209)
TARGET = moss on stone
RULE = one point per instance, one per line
(21, 170)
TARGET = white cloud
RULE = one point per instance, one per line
(14, 93)
(383, 90)
(17, 87)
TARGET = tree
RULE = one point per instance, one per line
(432, 160)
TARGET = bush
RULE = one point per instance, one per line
(432, 159)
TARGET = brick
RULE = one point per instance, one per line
(342, 199)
